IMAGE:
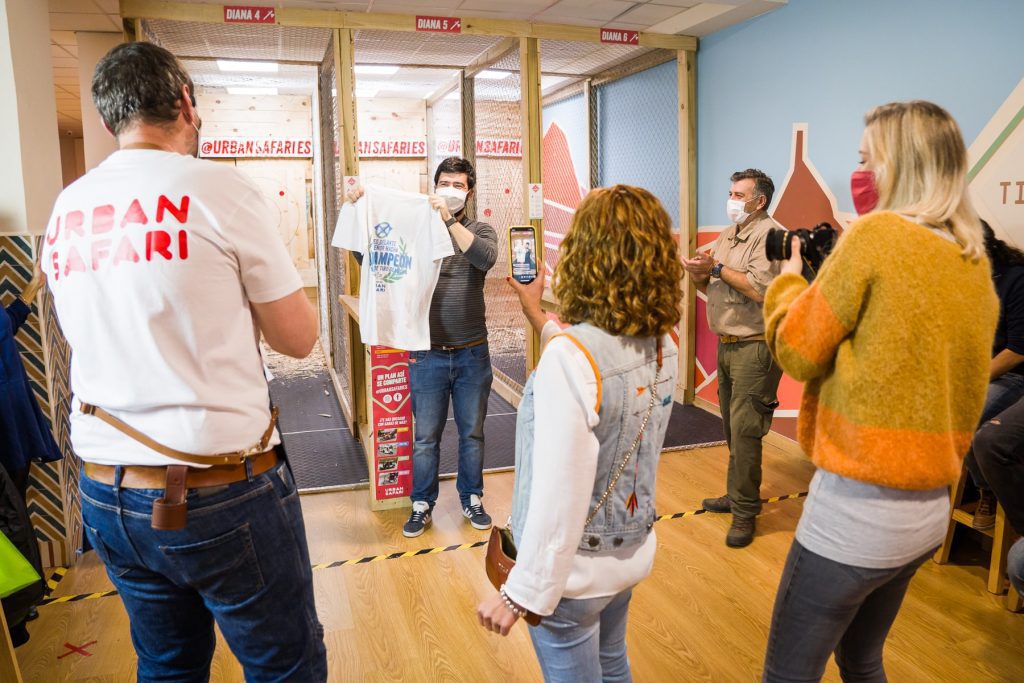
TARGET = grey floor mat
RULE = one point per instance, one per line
(690, 427)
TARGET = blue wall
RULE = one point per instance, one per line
(638, 132)
(826, 62)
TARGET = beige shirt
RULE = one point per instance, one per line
(729, 312)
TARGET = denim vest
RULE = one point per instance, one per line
(625, 365)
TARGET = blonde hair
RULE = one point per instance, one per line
(619, 267)
(920, 164)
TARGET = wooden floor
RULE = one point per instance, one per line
(702, 616)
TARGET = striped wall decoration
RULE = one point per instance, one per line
(46, 496)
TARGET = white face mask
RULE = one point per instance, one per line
(735, 209)
(455, 198)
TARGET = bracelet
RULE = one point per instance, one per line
(513, 607)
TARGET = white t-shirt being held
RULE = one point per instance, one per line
(403, 242)
(153, 259)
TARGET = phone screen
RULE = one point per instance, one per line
(522, 246)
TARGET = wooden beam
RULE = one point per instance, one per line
(687, 91)
(533, 126)
(493, 54)
(348, 151)
(287, 16)
(442, 92)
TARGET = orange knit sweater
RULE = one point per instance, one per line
(893, 340)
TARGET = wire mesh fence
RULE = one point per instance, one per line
(499, 202)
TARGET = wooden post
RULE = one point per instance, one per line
(345, 80)
(467, 101)
(533, 125)
(687, 86)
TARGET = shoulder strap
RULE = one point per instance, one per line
(236, 458)
(590, 359)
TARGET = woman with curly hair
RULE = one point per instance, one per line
(589, 434)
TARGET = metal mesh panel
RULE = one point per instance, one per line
(565, 167)
(444, 132)
(290, 79)
(332, 179)
(500, 203)
(637, 127)
(239, 41)
(432, 49)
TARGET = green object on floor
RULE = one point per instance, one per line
(15, 571)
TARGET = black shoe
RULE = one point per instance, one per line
(474, 512)
(418, 520)
(720, 504)
(32, 615)
(741, 533)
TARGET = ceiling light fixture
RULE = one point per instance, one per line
(254, 67)
(494, 75)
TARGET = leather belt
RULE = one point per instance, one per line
(154, 477)
(457, 347)
(731, 339)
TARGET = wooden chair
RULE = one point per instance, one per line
(1002, 536)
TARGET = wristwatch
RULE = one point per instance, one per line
(451, 221)
(717, 270)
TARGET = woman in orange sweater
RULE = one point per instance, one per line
(893, 341)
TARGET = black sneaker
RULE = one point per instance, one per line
(474, 512)
(418, 520)
(720, 504)
(741, 533)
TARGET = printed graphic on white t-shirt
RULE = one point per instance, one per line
(403, 242)
(153, 259)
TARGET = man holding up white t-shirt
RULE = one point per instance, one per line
(457, 368)
(164, 269)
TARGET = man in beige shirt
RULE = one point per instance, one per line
(735, 275)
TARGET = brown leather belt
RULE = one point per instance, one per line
(730, 339)
(458, 347)
(154, 477)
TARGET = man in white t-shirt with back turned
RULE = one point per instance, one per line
(164, 269)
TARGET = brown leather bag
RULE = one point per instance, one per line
(501, 557)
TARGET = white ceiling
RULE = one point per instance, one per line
(682, 17)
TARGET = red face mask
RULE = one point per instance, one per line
(864, 191)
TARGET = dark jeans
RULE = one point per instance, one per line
(242, 561)
(464, 377)
(824, 607)
(748, 382)
(1003, 392)
(999, 449)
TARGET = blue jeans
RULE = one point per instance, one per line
(1015, 565)
(1003, 392)
(584, 640)
(464, 377)
(823, 607)
(241, 561)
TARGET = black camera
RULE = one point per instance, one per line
(815, 245)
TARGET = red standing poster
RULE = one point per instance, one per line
(391, 421)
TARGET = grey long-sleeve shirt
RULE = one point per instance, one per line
(457, 311)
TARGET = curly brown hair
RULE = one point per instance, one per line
(619, 267)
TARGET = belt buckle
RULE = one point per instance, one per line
(729, 339)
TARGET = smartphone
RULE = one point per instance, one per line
(522, 253)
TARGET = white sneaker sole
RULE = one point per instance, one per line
(477, 525)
